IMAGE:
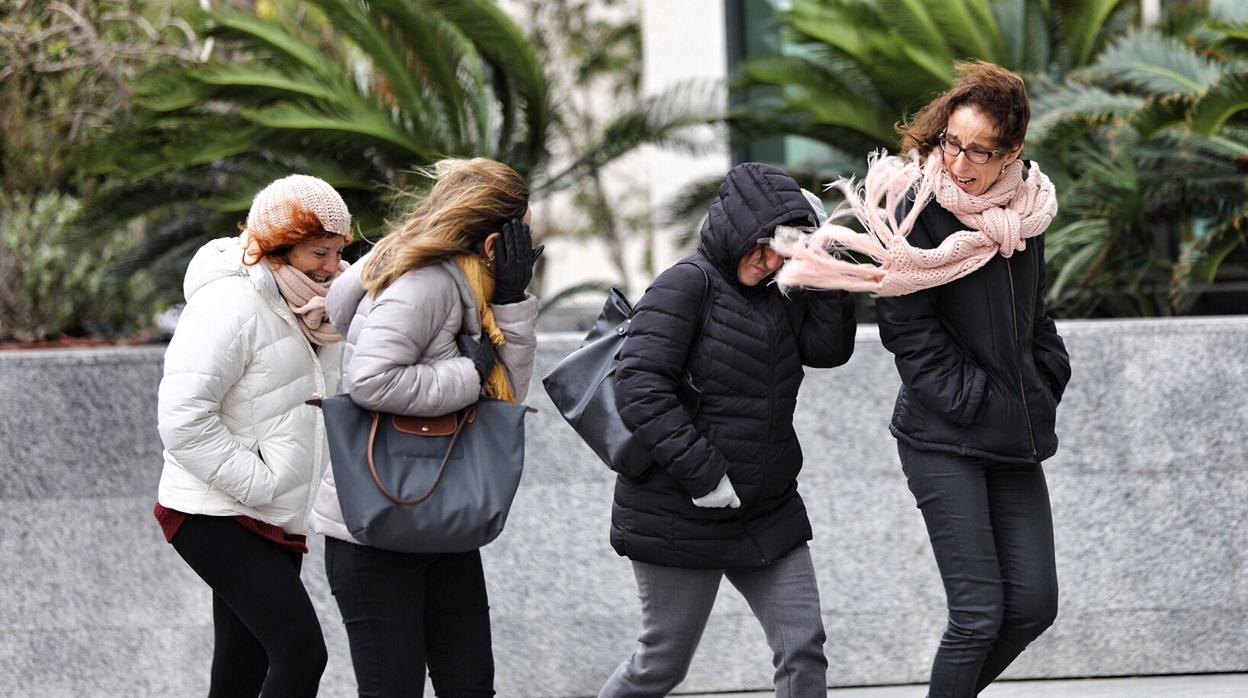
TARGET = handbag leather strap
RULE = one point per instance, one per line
(461, 419)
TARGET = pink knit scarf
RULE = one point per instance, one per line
(307, 299)
(998, 221)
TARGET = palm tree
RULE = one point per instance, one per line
(358, 92)
(1152, 140)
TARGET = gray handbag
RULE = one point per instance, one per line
(426, 484)
(582, 385)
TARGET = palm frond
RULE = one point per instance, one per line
(517, 74)
(1230, 11)
(434, 49)
(1081, 24)
(1075, 252)
(808, 88)
(659, 120)
(268, 36)
(1072, 110)
(687, 208)
(351, 124)
(355, 19)
(847, 73)
(271, 82)
(970, 27)
(167, 89)
(1152, 64)
(849, 26)
(1026, 39)
(1159, 113)
(1227, 96)
(913, 23)
(175, 235)
(1201, 257)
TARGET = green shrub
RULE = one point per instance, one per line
(53, 285)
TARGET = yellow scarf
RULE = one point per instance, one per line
(481, 281)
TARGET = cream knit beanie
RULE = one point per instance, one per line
(271, 209)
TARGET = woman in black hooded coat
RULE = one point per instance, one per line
(722, 497)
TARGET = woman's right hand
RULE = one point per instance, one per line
(722, 496)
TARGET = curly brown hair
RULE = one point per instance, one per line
(996, 92)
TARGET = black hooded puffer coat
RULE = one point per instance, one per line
(748, 365)
(981, 363)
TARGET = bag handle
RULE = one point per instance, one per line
(460, 421)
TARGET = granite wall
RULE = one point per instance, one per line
(1148, 494)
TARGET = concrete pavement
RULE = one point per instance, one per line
(1194, 686)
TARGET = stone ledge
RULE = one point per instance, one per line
(1148, 494)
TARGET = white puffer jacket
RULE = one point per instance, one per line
(238, 437)
(401, 356)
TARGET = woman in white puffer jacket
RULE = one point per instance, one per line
(243, 452)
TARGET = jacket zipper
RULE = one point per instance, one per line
(1018, 362)
(318, 440)
(771, 416)
(318, 432)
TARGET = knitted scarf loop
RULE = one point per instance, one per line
(999, 221)
(307, 299)
(481, 282)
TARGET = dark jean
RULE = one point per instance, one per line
(992, 532)
(267, 641)
(406, 611)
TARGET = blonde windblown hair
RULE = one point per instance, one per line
(470, 199)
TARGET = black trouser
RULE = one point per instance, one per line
(992, 532)
(267, 640)
(404, 611)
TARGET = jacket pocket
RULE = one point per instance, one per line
(1053, 372)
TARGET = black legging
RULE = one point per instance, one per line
(992, 532)
(406, 611)
(267, 640)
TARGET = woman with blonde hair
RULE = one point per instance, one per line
(243, 451)
(435, 316)
(957, 232)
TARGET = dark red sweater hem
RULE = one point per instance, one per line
(170, 521)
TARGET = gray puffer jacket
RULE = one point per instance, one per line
(401, 357)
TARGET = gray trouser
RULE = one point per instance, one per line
(675, 605)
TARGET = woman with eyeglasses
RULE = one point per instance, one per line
(960, 304)
(714, 404)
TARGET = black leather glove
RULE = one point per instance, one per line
(513, 262)
(480, 350)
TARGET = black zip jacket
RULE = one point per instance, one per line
(981, 363)
(748, 365)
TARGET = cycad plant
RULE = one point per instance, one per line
(1152, 142)
(357, 92)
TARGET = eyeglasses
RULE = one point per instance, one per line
(975, 155)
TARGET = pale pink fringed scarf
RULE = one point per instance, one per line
(307, 299)
(999, 221)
